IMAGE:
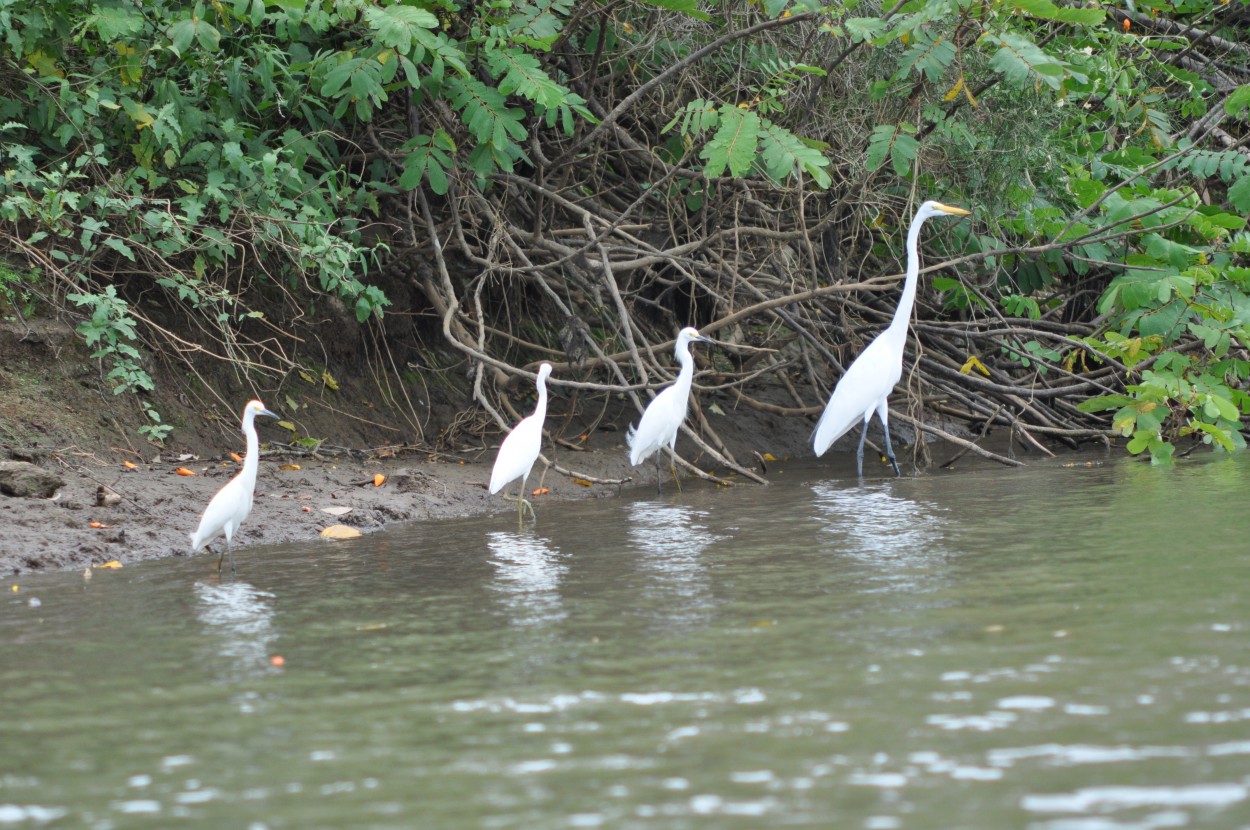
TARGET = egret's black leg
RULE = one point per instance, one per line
(672, 468)
(230, 553)
(658, 453)
(220, 557)
(889, 450)
(859, 454)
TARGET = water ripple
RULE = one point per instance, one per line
(1077, 754)
(1120, 798)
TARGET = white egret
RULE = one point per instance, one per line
(867, 383)
(520, 449)
(233, 501)
(663, 416)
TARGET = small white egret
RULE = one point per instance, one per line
(233, 501)
(520, 449)
(663, 416)
(868, 382)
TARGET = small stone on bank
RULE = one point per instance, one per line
(24, 480)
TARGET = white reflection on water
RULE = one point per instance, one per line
(1104, 799)
(878, 527)
(528, 572)
(670, 539)
(238, 618)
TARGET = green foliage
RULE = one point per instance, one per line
(734, 144)
(1186, 283)
(111, 331)
(188, 143)
(895, 144)
(17, 292)
(745, 143)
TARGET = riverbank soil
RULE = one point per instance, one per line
(86, 489)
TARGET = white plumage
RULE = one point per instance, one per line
(520, 449)
(233, 502)
(664, 415)
(866, 386)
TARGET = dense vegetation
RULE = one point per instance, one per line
(574, 181)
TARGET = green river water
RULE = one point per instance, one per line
(1061, 647)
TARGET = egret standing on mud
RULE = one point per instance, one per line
(520, 449)
(233, 502)
(663, 416)
(867, 383)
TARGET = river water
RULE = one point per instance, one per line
(1059, 647)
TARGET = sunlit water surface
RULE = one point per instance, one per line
(1059, 647)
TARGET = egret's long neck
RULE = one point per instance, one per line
(251, 461)
(685, 378)
(902, 314)
(540, 411)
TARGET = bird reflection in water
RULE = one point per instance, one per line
(528, 571)
(903, 538)
(670, 539)
(238, 620)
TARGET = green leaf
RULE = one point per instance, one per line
(894, 143)
(1086, 191)
(865, 28)
(879, 144)
(1218, 434)
(181, 34)
(119, 246)
(1239, 195)
(112, 22)
(734, 144)
(430, 159)
(1238, 100)
(784, 154)
(193, 29)
(486, 111)
(1103, 402)
(1141, 440)
(689, 7)
(397, 26)
(1225, 408)
(442, 50)
(1047, 10)
(520, 73)
(695, 118)
(1021, 61)
(926, 56)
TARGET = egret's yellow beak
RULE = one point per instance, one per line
(954, 211)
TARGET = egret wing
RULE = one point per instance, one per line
(658, 426)
(866, 383)
(224, 507)
(517, 453)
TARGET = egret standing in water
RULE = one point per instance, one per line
(520, 449)
(663, 416)
(233, 502)
(867, 383)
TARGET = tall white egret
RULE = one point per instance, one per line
(520, 449)
(867, 383)
(663, 416)
(233, 501)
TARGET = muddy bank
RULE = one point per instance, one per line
(297, 497)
